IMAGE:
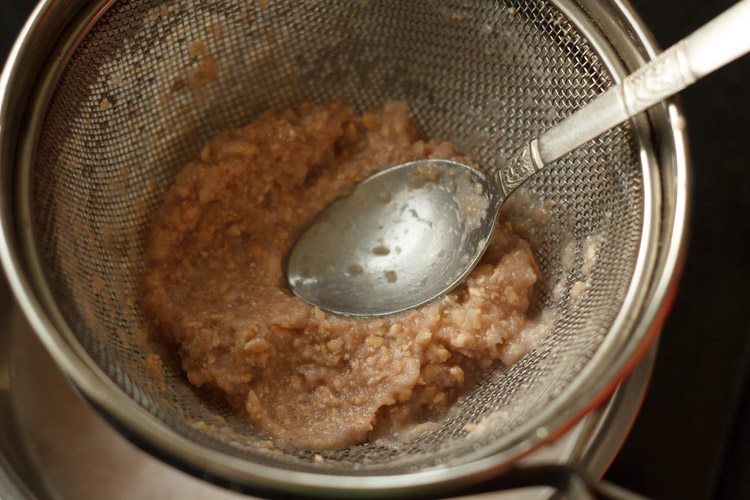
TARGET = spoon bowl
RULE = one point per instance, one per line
(401, 237)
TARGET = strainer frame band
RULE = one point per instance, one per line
(28, 283)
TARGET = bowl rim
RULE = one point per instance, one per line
(648, 305)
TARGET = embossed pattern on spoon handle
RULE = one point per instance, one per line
(715, 44)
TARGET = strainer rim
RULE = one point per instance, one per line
(100, 388)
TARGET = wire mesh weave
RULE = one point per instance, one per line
(153, 80)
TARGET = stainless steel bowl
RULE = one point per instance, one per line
(58, 60)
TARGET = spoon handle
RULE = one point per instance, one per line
(715, 44)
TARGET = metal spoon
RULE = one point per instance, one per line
(411, 233)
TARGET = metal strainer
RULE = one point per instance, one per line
(105, 101)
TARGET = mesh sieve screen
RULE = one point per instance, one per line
(152, 81)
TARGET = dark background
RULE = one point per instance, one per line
(692, 438)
